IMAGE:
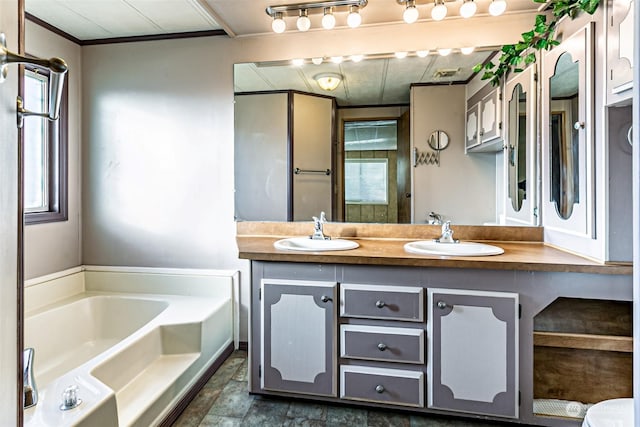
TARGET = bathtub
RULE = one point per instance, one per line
(134, 341)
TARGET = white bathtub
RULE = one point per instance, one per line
(133, 354)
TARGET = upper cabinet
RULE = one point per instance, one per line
(620, 51)
(567, 136)
(483, 128)
(520, 149)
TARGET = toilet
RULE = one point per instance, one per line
(610, 413)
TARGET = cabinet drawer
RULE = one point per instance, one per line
(382, 343)
(395, 386)
(382, 302)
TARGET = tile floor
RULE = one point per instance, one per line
(224, 401)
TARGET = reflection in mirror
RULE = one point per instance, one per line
(438, 140)
(564, 102)
(517, 147)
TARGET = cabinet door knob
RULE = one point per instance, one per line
(382, 346)
(325, 298)
(380, 304)
(442, 305)
(578, 125)
(380, 388)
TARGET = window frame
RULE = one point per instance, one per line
(369, 160)
(57, 159)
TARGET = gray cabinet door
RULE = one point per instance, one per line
(473, 351)
(299, 335)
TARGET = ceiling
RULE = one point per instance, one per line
(104, 19)
(383, 80)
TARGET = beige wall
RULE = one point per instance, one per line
(56, 246)
(9, 223)
(463, 188)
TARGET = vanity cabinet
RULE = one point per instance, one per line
(620, 58)
(299, 336)
(473, 351)
(483, 127)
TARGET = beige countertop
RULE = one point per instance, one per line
(523, 247)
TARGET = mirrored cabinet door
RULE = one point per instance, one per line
(520, 149)
(567, 136)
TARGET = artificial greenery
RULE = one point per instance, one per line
(515, 57)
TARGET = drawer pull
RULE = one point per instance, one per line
(380, 388)
(382, 346)
(325, 298)
(442, 305)
(380, 304)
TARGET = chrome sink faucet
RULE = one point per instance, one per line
(447, 234)
(30, 392)
(318, 224)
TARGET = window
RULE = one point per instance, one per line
(366, 181)
(45, 152)
(371, 135)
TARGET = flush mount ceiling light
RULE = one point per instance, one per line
(327, 8)
(468, 8)
(328, 81)
(439, 10)
(497, 7)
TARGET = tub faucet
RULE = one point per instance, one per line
(318, 224)
(447, 234)
(30, 392)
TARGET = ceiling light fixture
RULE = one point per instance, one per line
(317, 60)
(356, 58)
(337, 59)
(497, 7)
(411, 13)
(326, 7)
(444, 51)
(401, 55)
(328, 81)
(354, 19)
(278, 25)
(303, 23)
(439, 10)
(298, 62)
(468, 8)
(422, 53)
(328, 20)
(467, 50)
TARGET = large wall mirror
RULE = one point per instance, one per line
(371, 168)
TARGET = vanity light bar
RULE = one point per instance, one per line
(313, 7)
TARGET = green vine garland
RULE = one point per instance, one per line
(515, 57)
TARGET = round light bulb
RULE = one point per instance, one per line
(336, 59)
(422, 53)
(497, 7)
(438, 12)
(278, 25)
(468, 9)
(401, 55)
(328, 20)
(317, 60)
(303, 23)
(298, 62)
(467, 50)
(356, 58)
(410, 14)
(444, 51)
(354, 19)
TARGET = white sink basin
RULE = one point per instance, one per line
(310, 245)
(429, 247)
